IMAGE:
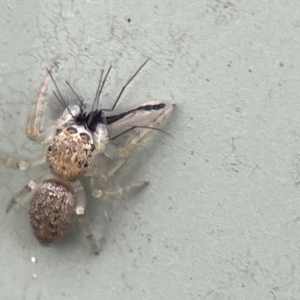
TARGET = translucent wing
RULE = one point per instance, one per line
(135, 116)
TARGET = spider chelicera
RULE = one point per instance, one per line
(75, 149)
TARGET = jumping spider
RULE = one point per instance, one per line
(75, 149)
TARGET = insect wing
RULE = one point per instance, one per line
(137, 117)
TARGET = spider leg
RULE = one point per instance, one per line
(34, 129)
(118, 191)
(22, 164)
(80, 212)
(27, 189)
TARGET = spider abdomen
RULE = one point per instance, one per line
(52, 210)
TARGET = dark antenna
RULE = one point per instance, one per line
(59, 96)
(59, 100)
(97, 91)
(77, 96)
(124, 87)
(100, 88)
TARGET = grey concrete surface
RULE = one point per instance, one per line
(221, 218)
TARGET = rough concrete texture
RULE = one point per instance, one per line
(221, 217)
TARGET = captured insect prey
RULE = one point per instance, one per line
(77, 143)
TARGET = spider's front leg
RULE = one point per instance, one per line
(34, 123)
(33, 131)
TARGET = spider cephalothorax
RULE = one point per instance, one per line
(82, 135)
(71, 152)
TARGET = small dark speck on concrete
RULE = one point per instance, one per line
(281, 64)
(207, 79)
(184, 163)
(155, 6)
(128, 20)
(250, 70)
(192, 152)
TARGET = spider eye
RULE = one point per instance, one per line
(58, 131)
(93, 147)
(72, 130)
(85, 136)
(86, 164)
(50, 148)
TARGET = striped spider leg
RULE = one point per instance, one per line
(33, 131)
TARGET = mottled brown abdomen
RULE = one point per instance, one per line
(52, 210)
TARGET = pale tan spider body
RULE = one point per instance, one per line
(72, 153)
